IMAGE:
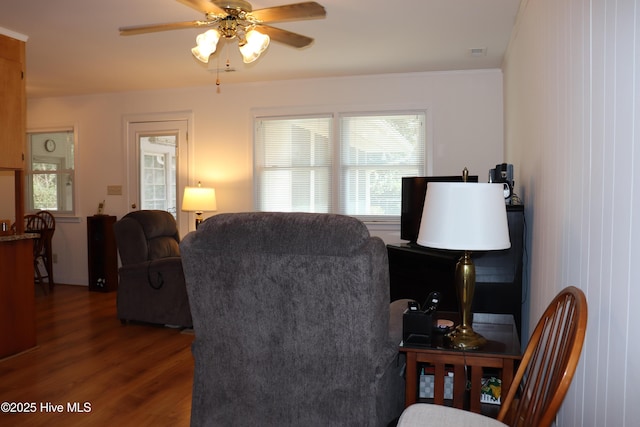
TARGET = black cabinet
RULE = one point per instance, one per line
(416, 271)
(102, 253)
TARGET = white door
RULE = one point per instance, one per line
(158, 167)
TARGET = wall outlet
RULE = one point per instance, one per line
(54, 258)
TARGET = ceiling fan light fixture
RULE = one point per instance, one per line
(236, 19)
(256, 43)
(207, 43)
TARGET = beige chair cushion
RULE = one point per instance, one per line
(424, 414)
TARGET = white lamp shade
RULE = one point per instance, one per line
(199, 199)
(464, 216)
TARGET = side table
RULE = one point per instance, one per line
(501, 352)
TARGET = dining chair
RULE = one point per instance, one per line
(37, 225)
(542, 379)
(50, 221)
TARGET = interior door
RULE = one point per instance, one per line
(158, 167)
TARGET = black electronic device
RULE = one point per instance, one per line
(432, 302)
(503, 173)
(414, 191)
(413, 306)
(417, 322)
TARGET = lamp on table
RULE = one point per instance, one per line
(199, 199)
(467, 217)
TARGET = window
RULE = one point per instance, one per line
(377, 151)
(158, 172)
(352, 165)
(294, 162)
(50, 171)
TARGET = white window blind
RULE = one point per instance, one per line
(352, 165)
(376, 152)
(293, 162)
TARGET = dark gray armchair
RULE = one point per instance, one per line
(151, 287)
(291, 316)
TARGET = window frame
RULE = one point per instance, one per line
(69, 171)
(338, 167)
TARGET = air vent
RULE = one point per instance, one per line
(222, 70)
(478, 51)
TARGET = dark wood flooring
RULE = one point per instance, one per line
(118, 375)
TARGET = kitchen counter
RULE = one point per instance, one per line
(15, 237)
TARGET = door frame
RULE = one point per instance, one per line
(183, 178)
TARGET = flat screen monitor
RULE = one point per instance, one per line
(414, 190)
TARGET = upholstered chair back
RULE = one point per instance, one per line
(291, 318)
(146, 236)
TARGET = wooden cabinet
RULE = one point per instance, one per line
(103, 253)
(12, 103)
(17, 295)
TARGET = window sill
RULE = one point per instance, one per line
(382, 225)
(67, 219)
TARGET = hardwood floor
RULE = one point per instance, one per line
(122, 375)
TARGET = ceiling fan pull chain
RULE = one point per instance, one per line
(218, 75)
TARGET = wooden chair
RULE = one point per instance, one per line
(549, 362)
(47, 253)
(36, 224)
(542, 379)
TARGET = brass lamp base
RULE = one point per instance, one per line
(465, 338)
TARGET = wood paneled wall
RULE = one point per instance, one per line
(572, 130)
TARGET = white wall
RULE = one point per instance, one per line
(572, 127)
(464, 128)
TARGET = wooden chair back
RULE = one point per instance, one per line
(35, 224)
(48, 218)
(549, 362)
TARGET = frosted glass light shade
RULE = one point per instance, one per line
(464, 216)
(207, 43)
(255, 45)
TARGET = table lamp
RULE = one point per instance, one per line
(468, 217)
(199, 199)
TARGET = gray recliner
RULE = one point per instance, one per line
(292, 326)
(151, 287)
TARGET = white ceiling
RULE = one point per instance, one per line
(74, 46)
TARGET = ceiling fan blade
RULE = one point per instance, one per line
(152, 28)
(290, 12)
(203, 6)
(284, 36)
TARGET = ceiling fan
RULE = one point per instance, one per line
(231, 19)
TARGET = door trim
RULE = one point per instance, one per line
(184, 178)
